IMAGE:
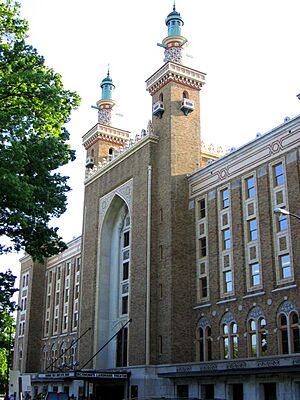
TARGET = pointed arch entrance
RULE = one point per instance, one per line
(113, 280)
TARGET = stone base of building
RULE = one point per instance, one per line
(206, 381)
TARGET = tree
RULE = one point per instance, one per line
(7, 327)
(34, 108)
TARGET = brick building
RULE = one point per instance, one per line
(184, 283)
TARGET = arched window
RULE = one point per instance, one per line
(229, 337)
(92, 153)
(185, 95)
(111, 150)
(257, 333)
(283, 334)
(295, 339)
(204, 340)
(73, 356)
(288, 329)
(161, 97)
(63, 355)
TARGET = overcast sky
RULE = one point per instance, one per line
(249, 50)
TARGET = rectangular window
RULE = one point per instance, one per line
(125, 271)
(126, 239)
(66, 295)
(55, 325)
(68, 268)
(250, 188)
(252, 229)
(65, 322)
(47, 328)
(76, 292)
(75, 320)
(201, 209)
(226, 239)
(255, 274)
(225, 198)
(228, 282)
(203, 287)
(282, 223)
(58, 273)
(125, 305)
(202, 247)
(278, 174)
(285, 266)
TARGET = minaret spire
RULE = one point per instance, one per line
(106, 103)
(174, 42)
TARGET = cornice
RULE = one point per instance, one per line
(105, 132)
(175, 72)
(271, 145)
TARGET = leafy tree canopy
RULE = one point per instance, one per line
(34, 108)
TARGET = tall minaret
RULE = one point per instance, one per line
(102, 141)
(175, 90)
(106, 103)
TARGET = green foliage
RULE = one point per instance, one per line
(34, 108)
(7, 327)
(7, 290)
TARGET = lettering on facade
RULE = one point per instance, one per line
(101, 375)
(296, 361)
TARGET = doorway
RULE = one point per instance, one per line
(237, 391)
(208, 392)
(270, 391)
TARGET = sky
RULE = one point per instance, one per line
(248, 49)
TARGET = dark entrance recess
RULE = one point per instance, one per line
(109, 392)
(237, 391)
(183, 391)
(270, 391)
(209, 392)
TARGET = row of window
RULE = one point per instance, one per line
(284, 271)
(62, 303)
(257, 336)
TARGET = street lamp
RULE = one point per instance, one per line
(283, 211)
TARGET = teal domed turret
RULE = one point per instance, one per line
(174, 23)
(106, 104)
(107, 87)
(174, 42)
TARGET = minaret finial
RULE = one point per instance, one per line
(174, 6)
(108, 71)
